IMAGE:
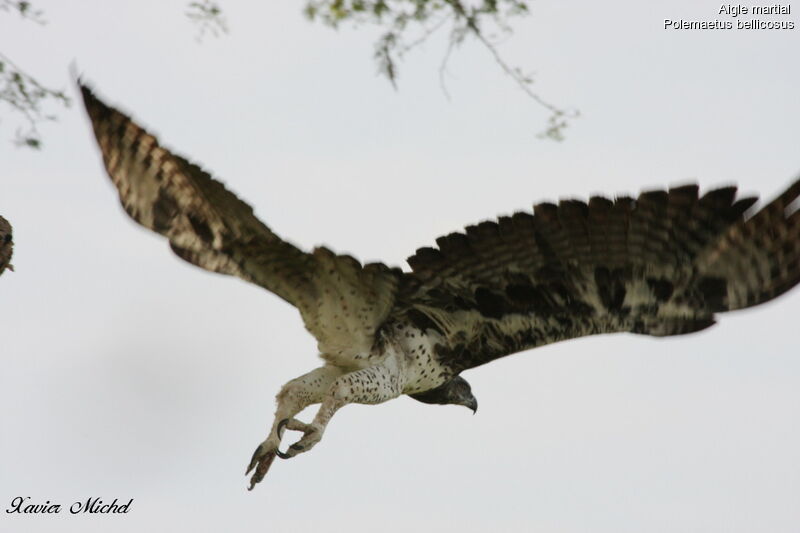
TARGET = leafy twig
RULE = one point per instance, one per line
(21, 91)
(26, 96)
(465, 20)
(25, 10)
(207, 15)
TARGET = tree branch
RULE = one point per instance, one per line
(26, 96)
(207, 15)
(25, 10)
(398, 15)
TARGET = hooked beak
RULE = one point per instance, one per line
(473, 404)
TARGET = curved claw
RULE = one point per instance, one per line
(282, 424)
(264, 462)
(253, 460)
(294, 447)
(266, 452)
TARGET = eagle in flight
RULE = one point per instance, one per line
(664, 263)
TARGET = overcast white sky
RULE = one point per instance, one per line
(127, 373)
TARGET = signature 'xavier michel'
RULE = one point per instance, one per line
(661, 264)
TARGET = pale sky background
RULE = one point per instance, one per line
(127, 373)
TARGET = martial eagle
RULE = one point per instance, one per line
(661, 264)
(6, 245)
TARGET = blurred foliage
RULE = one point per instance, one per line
(478, 19)
(208, 17)
(24, 9)
(32, 102)
(27, 97)
(22, 93)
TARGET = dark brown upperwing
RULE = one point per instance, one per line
(661, 264)
(205, 223)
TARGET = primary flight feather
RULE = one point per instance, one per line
(664, 263)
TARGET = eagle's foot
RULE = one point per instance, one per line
(266, 452)
(312, 434)
(261, 461)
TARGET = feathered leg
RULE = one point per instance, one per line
(294, 396)
(372, 385)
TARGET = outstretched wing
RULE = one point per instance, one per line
(342, 303)
(662, 264)
(6, 245)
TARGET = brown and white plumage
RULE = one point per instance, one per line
(210, 227)
(664, 263)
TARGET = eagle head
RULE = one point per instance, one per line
(456, 391)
